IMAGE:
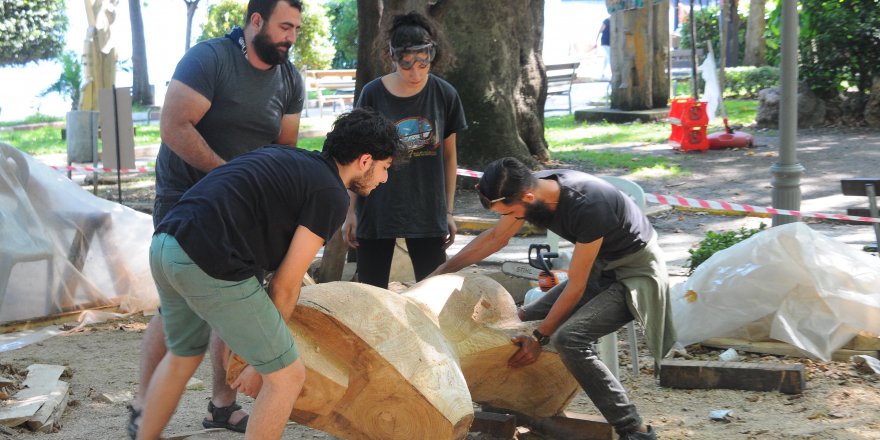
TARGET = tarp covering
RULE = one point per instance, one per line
(788, 283)
(63, 249)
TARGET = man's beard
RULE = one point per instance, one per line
(268, 51)
(359, 185)
(539, 214)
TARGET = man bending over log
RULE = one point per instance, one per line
(617, 273)
(267, 210)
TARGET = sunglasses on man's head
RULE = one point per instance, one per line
(428, 52)
(486, 201)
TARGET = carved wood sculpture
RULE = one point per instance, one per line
(382, 365)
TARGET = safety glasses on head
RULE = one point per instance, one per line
(486, 201)
(422, 54)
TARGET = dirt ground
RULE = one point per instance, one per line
(840, 402)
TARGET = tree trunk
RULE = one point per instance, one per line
(500, 79)
(731, 27)
(756, 46)
(632, 54)
(500, 76)
(191, 6)
(660, 78)
(407, 366)
(141, 93)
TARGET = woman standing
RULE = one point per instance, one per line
(417, 203)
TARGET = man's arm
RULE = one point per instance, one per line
(289, 130)
(450, 163)
(487, 243)
(182, 110)
(582, 261)
(583, 258)
(349, 226)
(285, 286)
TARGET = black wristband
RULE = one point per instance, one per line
(543, 340)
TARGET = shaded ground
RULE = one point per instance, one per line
(840, 402)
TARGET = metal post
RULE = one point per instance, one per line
(786, 193)
(872, 209)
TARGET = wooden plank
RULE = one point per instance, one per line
(779, 348)
(864, 341)
(788, 379)
(24, 404)
(568, 426)
(51, 411)
(494, 424)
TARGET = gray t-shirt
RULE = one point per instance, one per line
(247, 105)
(412, 203)
(590, 208)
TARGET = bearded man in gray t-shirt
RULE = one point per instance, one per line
(228, 96)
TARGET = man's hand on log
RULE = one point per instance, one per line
(529, 350)
(248, 382)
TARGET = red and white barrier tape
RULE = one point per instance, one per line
(724, 206)
(104, 170)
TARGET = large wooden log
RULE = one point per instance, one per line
(402, 366)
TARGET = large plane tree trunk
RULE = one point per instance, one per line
(141, 92)
(639, 53)
(756, 46)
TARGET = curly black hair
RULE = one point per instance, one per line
(364, 131)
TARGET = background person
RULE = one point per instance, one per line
(417, 203)
(603, 38)
(269, 210)
(617, 273)
(227, 96)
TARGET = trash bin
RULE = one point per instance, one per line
(82, 136)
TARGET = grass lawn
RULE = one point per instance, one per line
(571, 141)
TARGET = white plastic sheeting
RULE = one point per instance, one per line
(63, 249)
(712, 90)
(788, 283)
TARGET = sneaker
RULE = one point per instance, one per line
(636, 435)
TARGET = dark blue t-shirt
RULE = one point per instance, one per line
(239, 220)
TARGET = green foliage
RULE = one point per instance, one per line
(69, 83)
(47, 139)
(222, 17)
(709, 29)
(31, 30)
(839, 43)
(313, 48)
(312, 143)
(32, 119)
(746, 82)
(344, 32)
(718, 241)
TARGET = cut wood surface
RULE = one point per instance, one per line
(404, 366)
(37, 389)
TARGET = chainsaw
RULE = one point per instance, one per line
(539, 268)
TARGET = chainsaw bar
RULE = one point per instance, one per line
(520, 270)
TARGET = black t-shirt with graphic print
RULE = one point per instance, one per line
(413, 201)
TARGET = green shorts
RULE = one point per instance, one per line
(240, 312)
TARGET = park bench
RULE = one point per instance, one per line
(861, 186)
(341, 81)
(681, 66)
(559, 80)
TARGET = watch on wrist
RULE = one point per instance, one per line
(543, 340)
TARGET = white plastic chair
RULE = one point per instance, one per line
(608, 351)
